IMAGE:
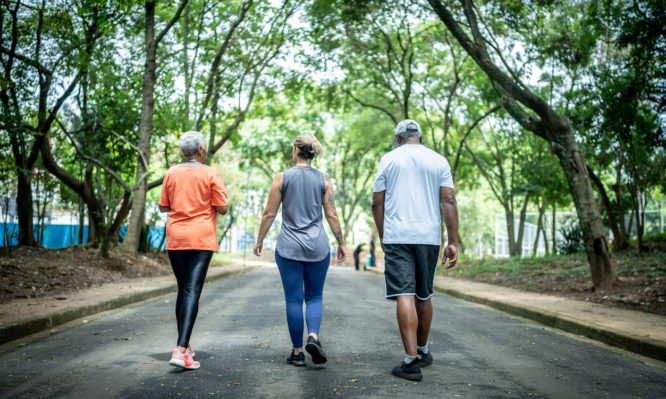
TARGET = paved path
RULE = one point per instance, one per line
(241, 339)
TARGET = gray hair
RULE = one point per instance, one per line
(406, 129)
(190, 143)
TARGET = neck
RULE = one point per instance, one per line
(300, 162)
(192, 160)
(411, 140)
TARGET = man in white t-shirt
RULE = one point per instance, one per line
(411, 181)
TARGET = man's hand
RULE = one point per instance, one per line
(450, 253)
(257, 247)
(340, 253)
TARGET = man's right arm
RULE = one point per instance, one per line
(378, 199)
(450, 210)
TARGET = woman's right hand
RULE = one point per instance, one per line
(257, 247)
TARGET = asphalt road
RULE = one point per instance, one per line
(242, 341)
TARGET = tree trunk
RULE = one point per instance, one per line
(640, 219)
(589, 217)
(81, 221)
(521, 226)
(105, 244)
(554, 229)
(545, 236)
(24, 208)
(542, 209)
(137, 217)
(510, 230)
(92, 234)
(620, 241)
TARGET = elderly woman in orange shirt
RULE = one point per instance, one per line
(193, 194)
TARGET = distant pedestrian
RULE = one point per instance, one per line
(372, 252)
(193, 194)
(411, 181)
(357, 254)
(302, 252)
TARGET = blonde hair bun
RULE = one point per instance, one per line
(308, 146)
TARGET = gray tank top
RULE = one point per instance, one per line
(302, 236)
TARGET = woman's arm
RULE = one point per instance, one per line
(165, 209)
(332, 217)
(222, 210)
(272, 206)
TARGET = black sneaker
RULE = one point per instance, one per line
(411, 371)
(296, 360)
(314, 349)
(425, 359)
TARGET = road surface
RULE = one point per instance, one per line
(241, 340)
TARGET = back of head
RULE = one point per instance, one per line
(406, 129)
(190, 143)
(308, 146)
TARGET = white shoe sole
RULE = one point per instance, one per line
(181, 364)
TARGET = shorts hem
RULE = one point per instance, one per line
(426, 298)
(401, 294)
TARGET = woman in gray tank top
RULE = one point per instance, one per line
(302, 251)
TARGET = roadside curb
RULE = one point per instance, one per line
(38, 324)
(641, 345)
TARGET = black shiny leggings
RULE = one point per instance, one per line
(190, 267)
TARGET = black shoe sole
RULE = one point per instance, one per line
(408, 376)
(318, 356)
(297, 363)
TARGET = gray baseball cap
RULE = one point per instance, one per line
(405, 129)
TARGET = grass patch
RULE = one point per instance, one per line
(538, 272)
(641, 281)
(223, 259)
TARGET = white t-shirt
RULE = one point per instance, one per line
(411, 175)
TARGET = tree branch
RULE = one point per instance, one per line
(384, 110)
(173, 20)
(467, 133)
(218, 58)
(92, 159)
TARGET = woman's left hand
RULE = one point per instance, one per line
(341, 254)
(257, 248)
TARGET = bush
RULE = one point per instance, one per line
(572, 239)
(659, 237)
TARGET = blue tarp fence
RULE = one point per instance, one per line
(55, 235)
(65, 235)
(154, 236)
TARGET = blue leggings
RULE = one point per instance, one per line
(295, 275)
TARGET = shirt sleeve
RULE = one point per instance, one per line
(164, 197)
(445, 179)
(219, 192)
(380, 179)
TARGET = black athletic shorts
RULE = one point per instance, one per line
(410, 269)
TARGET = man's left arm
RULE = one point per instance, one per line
(450, 210)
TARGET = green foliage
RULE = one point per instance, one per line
(345, 70)
(659, 237)
(572, 239)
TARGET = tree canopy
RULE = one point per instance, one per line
(536, 105)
